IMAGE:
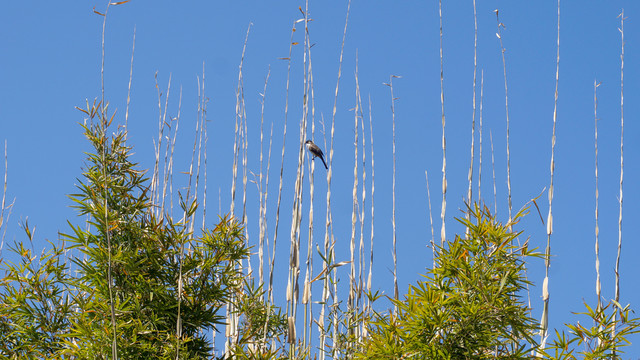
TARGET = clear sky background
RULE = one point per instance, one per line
(50, 63)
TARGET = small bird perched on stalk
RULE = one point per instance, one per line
(315, 151)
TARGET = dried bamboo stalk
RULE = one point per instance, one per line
(597, 228)
(199, 135)
(284, 137)
(617, 267)
(236, 146)
(155, 181)
(296, 218)
(480, 138)
(443, 234)
(3, 206)
(544, 322)
(372, 191)
(262, 192)
(493, 168)
(231, 329)
(361, 261)
(328, 240)
(103, 109)
(166, 160)
(473, 115)
(433, 244)
(169, 173)
(204, 102)
(506, 106)
(354, 209)
(245, 151)
(126, 112)
(268, 300)
(393, 192)
(306, 292)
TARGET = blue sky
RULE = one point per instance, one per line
(50, 63)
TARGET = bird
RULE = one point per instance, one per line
(315, 151)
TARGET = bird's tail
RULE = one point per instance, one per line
(325, 164)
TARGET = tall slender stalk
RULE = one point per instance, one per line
(126, 113)
(544, 322)
(443, 234)
(263, 194)
(284, 137)
(155, 180)
(473, 115)
(433, 244)
(372, 192)
(3, 206)
(493, 170)
(597, 228)
(168, 178)
(617, 268)
(480, 137)
(203, 105)
(296, 216)
(354, 198)
(506, 106)
(328, 239)
(307, 288)
(231, 331)
(393, 211)
(238, 127)
(103, 126)
(361, 261)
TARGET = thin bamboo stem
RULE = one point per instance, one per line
(433, 243)
(4, 198)
(473, 115)
(619, 252)
(354, 198)
(480, 137)
(493, 170)
(126, 113)
(393, 192)
(597, 195)
(103, 125)
(328, 240)
(372, 192)
(307, 287)
(544, 322)
(443, 234)
(506, 106)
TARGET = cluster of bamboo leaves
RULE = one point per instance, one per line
(143, 282)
